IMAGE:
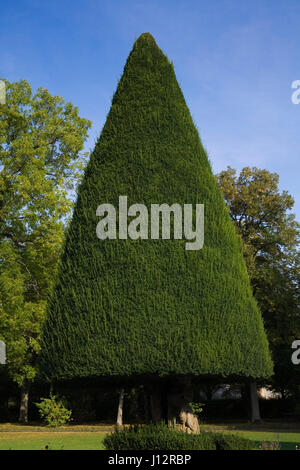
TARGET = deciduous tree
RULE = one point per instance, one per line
(265, 223)
(41, 160)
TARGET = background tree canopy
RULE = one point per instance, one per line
(41, 160)
(270, 234)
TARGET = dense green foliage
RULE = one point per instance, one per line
(41, 159)
(160, 437)
(134, 307)
(270, 234)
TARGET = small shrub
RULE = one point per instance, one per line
(53, 411)
(197, 409)
(160, 437)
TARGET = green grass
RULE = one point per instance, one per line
(54, 440)
(32, 427)
(16, 437)
(288, 440)
(288, 433)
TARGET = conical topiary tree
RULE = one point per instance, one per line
(149, 307)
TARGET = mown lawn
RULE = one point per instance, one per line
(54, 440)
(288, 440)
(288, 435)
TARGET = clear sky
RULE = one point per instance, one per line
(234, 59)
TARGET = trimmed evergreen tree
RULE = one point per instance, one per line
(124, 308)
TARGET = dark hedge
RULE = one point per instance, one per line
(160, 437)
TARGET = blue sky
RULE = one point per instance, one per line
(234, 59)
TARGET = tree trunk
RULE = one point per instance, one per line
(120, 408)
(179, 410)
(155, 403)
(134, 398)
(23, 415)
(146, 406)
(255, 413)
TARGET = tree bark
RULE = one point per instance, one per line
(23, 415)
(120, 408)
(155, 404)
(255, 413)
(179, 410)
(134, 402)
(146, 406)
